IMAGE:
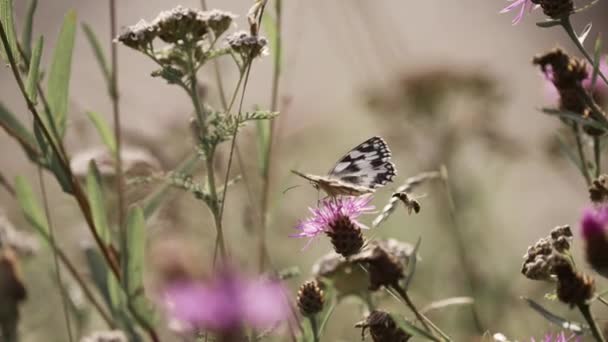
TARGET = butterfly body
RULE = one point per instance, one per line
(362, 170)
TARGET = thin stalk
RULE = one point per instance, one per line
(423, 320)
(461, 249)
(597, 153)
(64, 300)
(217, 71)
(78, 193)
(5, 183)
(314, 327)
(276, 77)
(117, 130)
(581, 153)
(567, 25)
(595, 330)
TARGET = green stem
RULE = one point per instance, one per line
(595, 330)
(567, 25)
(597, 152)
(581, 153)
(314, 327)
(64, 300)
(423, 320)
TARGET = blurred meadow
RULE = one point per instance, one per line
(449, 85)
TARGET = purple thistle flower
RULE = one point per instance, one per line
(330, 211)
(524, 5)
(226, 303)
(594, 222)
(561, 337)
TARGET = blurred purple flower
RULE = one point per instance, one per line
(524, 5)
(225, 303)
(600, 92)
(332, 209)
(561, 337)
(594, 222)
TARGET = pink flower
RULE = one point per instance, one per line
(332, 209)
(594, 224)
(225, 303)
(561, 337)
(524, 5)
(600, 92)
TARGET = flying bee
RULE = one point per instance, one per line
(410, 202)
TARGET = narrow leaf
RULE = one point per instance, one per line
(576, 328)
(411, 329)
(135, 245)
(597, 56)
(586, 121)
(34, 71)
(263, 142)
(6, 16)
(549, 23)
(97, 202)
(31, 209)
(98, 271)
(59, 74)
(26, 34)
(412, 265)
(585, 33)
(440, 304)
(98, 52)
(269, 24)
(104, 131)
(15, 129)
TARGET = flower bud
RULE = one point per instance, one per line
(310, 298)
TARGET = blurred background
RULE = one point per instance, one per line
(443, 82)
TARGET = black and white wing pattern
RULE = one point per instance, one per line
(362, 170)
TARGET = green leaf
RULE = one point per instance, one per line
(263, 143)
(411, 329)
(98, 271)
(413, 260)
(269, 25)
(15, 129)
(583, 36)
(97, 202)
(26, 35)
(258, 115)
(585, 121)
(440, 304)
(576, 328)
(597, 57)
(99, 55)
(135, 245)
(30, 207)
(104, 131)
(6, 16)
(549, 23)
(33, 74)
(59, 74)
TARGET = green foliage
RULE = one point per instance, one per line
(99, 55)
(411, 329)
(263, 144)
(14, 128)
(185, 182)
(59, 74)
(33, 74)
(97, 203)
(7, 18)
(30, 207)
(107, 137)
(555, 319)
(26, 34)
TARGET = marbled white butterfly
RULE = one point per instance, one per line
(365, 168)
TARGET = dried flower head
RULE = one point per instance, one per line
(106, 336)
(573, 288)
(382, 328)
(594, 225)
(537, 260)
(522, 6)
(12, 294)
(384, 268)
(310, 298)
(227, 302)
(180, 25)
(331, 211)
(219, 21)
(139, 36)
(247, 46)
(598, 191)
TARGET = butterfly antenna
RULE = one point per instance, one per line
(290, 188)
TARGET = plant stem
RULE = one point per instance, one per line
(403, 294)
(581, 153)
(597, 148)
(567, 25)
(52, 242)
(595, 330)
(461, 249)
(314, 327)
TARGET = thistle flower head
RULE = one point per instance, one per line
(522, 6)
(594, 225)
(561, 337)
(310, 298)
(226, 302)
(594, 222)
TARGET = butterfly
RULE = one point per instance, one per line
(365, 168)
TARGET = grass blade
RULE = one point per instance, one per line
(97, 202)
(6, 17)
(15, 129)
(263, 140)
(134, 252)
(33, 73)
(412, 265)
(59, 74)
(440, 304)
(597, 56)
(104, 131)
(26, 34)
(411, 328)
(99, 55)
(576, 328)
(31, 209)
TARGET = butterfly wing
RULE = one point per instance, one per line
(367, 165)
